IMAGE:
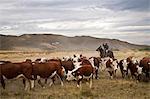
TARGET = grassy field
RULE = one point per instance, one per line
(103, 88)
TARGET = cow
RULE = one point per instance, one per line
(16, 70)
(145, 64)
(59, 63)
(112, 66)
(80, 73)
(132, 65)
(95, 61)
(39, 60)
(135, 70)
(47, 70)
(83, 70)
(123, 67)
(68, 65)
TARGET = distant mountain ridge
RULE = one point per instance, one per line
(40, 42)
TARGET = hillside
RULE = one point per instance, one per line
(39, 42)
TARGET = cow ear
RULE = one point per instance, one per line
(74, 56)
(80, 55)
(117, 62)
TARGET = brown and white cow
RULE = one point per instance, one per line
(59, 63)
(132, 65)
(111, 67)
(82, 60)
(68, 65)
(135, 70)
(95, 61)
(16, 70)
(83, 70)
(48, 70)
(145, 64)
(80, 73)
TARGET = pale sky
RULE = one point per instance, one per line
(127, 20)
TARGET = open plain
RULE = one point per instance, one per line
(103, 88)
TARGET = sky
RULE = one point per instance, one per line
(127, 20)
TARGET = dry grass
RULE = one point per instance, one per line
(104, 88)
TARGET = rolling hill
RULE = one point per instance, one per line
(40, 42)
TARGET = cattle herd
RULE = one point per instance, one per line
(73, 68)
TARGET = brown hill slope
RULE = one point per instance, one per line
(58, 42)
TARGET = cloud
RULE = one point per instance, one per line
(133, 5)
(99, 18)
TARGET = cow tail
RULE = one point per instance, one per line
(98, 62)
(60, 62)
(113, 55)
(1, 78)
(2, 81)
(148, 70)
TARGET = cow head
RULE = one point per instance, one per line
(41, 60)
(63, 59)
(139, 69)
(76, 61)
(125, 65)
(70, 76)
(134, 61)
(113, 64)
(131, 59)
(91, 59)
(44, 60)
(62, 72)
(138, 72)
(28, 60)
(66, 58)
